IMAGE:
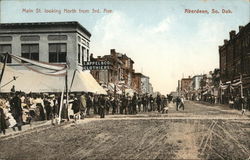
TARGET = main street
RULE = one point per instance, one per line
(201, 131)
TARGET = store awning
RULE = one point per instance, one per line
(84, 81)
(29, 81)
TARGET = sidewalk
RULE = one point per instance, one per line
(35, 126)
(223, 107)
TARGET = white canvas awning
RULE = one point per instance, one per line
(111, 87)
(84, 81)
(29, 81)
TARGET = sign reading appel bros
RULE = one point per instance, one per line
(97, 65)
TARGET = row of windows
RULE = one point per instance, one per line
(34, 38)
(83, 41)
(57, 52)
(81, 54)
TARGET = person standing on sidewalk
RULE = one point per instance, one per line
(151, 103)
(231, 102)
(16, 110)
(164, 105)
(145, 103)
(182, 102)
(177, 101)
(95, 104)
(139, 103)
(158, 101)
(114, 103)
(82, 105)
(102, 103)
(3, 125)
(89, 103)
(124, 105)
(134, 104)
(76, 109)
(244, 104)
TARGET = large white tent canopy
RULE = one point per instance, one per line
(84, 81)
(29, 81)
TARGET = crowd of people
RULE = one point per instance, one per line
(17, 108)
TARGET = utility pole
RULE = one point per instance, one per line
(241, 86)
(241, 90)
(5, 61)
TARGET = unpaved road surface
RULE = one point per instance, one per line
(198, 132)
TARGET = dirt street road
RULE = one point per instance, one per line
(198, 132)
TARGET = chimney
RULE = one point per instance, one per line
(240, 28)
(112, 52)
(232, 34)
(225, 41)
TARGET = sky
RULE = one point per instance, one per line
(165, 43)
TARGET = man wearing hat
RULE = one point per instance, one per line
(102, 104)
(16, 110)
(83, 105)
(134, 104)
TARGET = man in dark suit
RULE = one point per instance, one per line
(102, 104)
(158, 101)
(16, 110)
(134, 104)
(124, 104)
(3, 125)
(178, 101)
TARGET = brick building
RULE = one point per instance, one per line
(137, 81)
(235, 63)
(186, 85)
(120, 73)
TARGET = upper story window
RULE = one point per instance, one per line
(30, 38)
(57, 37)
(5, 48)
(30, 51)
(87, 55)
(83, 54)
(57, 52)
(5, 38)
(79, 54)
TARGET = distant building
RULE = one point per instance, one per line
(145, 84)
(196, 82)
(186, 84)
(121, 72)
(137, 82)
(151, 89)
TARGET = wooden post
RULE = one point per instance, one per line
(67, 94)
(60, 110)
(241, 90)
(241, 86)
(5, 61)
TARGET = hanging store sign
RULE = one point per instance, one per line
(97, 65)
